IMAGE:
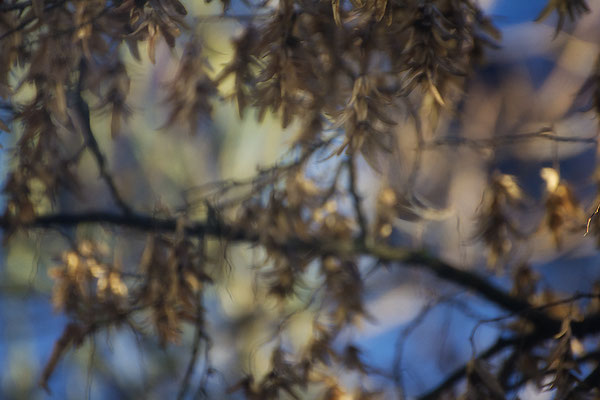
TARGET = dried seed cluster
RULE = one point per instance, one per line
(343, 74)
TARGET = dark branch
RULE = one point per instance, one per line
(546, 326)
(218, 228)
(588, 326)
(466, 279)
(524, 342)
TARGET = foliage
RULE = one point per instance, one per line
(365, 80)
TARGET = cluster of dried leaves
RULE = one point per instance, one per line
(354, 73)
(165, 288)
(504, 202)
(335, 69)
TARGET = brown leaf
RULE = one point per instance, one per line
(38, 8)
(478, 371)
(380, 6)
(153, 31)
(115, 122)
(180, 8)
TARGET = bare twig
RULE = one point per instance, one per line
(591, 381)
(402, 338)
(217, 190)
(507, 140)
(80, 114)
(232, 17)
(571, 299)
(356, 199)
(460, 372)
(185, 383)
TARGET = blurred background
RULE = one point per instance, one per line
(530, 82)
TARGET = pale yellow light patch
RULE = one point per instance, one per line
(550, 175)
(116, 284)
(510, 185)
(319, 215)
(578, 57)
(85, 248)
(576, 347)
(96, 269)
(300, 329)
(388, 197)
(331, 206)
(385, 230)
(72, 261)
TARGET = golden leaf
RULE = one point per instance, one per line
(551, 177)
(61, 100)
(335, 4)
(436, 94)
(153, 32)
(380, 6)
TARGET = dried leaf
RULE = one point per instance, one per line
(436, 94)
(380, 7)
(153, 31)
(38, 8)
(479, 372)
(180, 8)
(335, 4)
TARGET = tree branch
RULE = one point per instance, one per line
(218, 228)
(546, 326)
(525, 341)
(466, 279)
(588, 326)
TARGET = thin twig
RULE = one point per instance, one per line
(403, 337)
(356, 199)
(233, 17)
(209, 370)
(571, 299)
(80, 114)
(460, 372)
(216, 191)
(507, 140)
(185, 383)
